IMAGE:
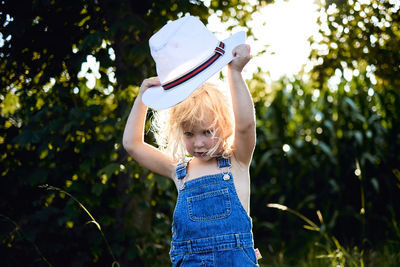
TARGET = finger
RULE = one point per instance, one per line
(152, 80)
(241, 50)
(149, 82)
(248, 47)
(234, 52)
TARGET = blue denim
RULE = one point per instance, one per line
(210, 226)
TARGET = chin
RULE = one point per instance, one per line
(208, 158)
(203, 158)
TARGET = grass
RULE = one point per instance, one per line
(115, 263)
(384, 257)
(329, 252)
(17, 231)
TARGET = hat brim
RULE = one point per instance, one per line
(157, 98)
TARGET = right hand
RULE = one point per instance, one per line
(149, 82)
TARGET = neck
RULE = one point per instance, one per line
(204, 163)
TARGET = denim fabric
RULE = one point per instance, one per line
(210, 226)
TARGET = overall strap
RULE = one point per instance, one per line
(223, 162)
(180, 171)
(181, 167)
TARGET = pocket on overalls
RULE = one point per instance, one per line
(250, 255)
(209, 206)
(177, 260)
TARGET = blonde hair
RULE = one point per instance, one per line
(167, 125)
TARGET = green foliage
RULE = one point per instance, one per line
(341, 125)
(57, 130)
(326, 141)
(327, 150)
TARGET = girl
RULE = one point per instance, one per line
(211, 225)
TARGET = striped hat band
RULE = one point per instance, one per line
(219, 51)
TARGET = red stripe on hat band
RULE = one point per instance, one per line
(219, 51)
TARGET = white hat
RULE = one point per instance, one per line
(186, 54)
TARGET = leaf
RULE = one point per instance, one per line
(312, 228)
(375, 184)
(350, 103)
(374, 117)
(162, 182)
(327, 150)
(95, 223)
(359, 137)
(368, 156)
(109, 170)
(24, 138)
(10, 104)
(329, 125)
(359, 117)
(97, 189)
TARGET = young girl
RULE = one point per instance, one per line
(211, 225)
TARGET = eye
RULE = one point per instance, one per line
(188, 134)
(207, 132)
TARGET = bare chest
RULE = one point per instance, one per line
(241, 179)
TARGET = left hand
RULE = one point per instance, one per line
(241, 55)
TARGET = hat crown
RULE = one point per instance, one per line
(180, 46)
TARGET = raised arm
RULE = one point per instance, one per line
(243, 107)
(133, 142)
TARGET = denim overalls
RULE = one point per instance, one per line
(210, 226)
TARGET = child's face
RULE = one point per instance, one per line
(200, 140)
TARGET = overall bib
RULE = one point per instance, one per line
(210, 226)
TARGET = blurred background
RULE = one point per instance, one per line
(325, 80)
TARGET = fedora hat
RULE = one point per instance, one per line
(186, 54)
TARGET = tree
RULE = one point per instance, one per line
(324, 143)
(361, 47)
(57, 129)
(327, 139)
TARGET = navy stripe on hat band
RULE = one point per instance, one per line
(219, 51)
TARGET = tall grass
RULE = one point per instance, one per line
(333, 252)
(115, 263)
(17, 230)
(329, 252)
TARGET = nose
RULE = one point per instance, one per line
(198, 141)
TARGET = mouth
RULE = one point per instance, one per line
(200, 154)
